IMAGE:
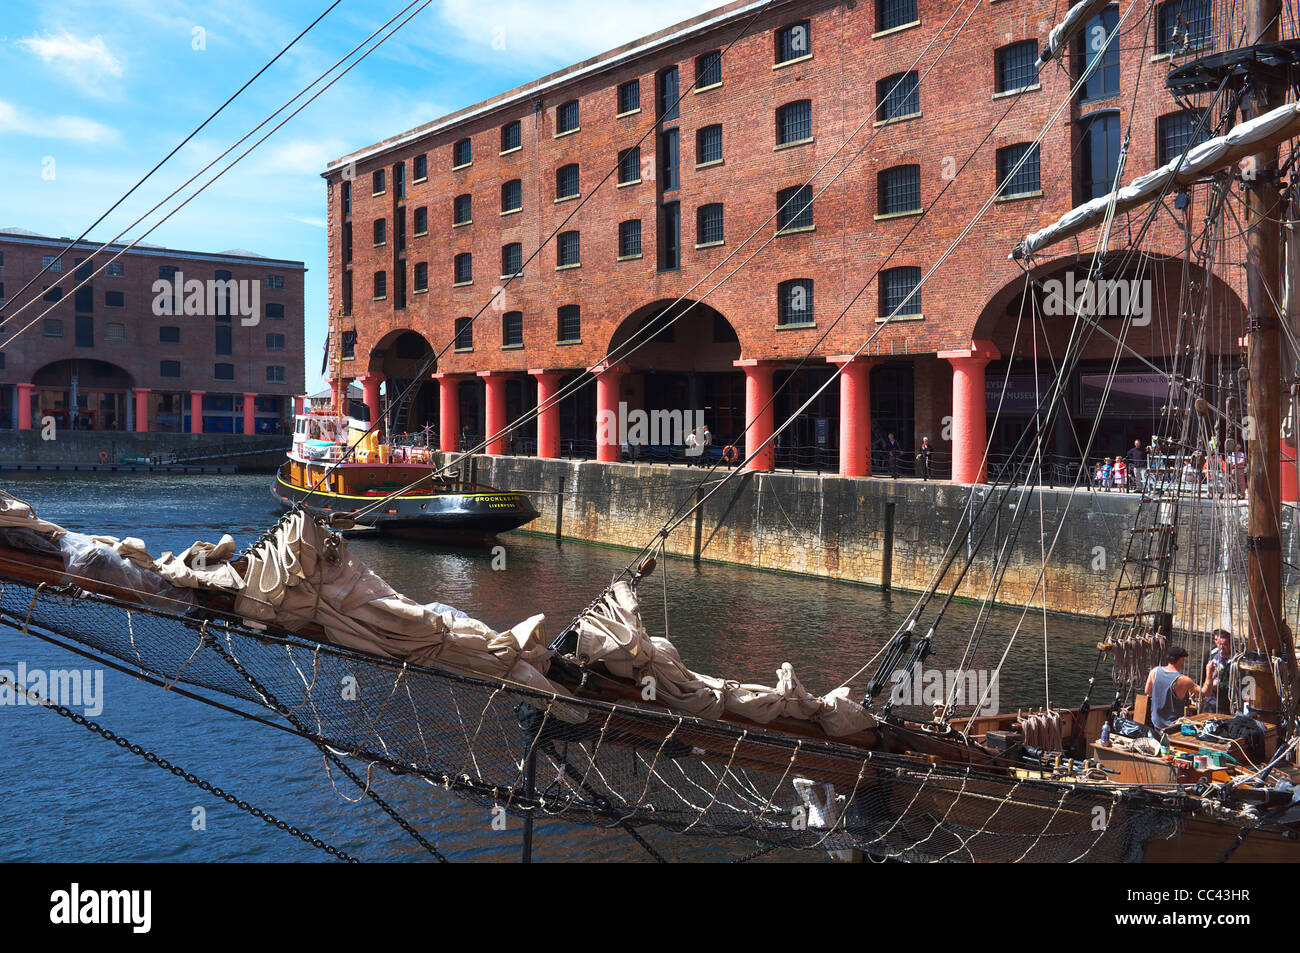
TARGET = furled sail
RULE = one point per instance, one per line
(1210, 156)
(1063, 32)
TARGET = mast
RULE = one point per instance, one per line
(1265, 607)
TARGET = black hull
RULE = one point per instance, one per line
(448, 517)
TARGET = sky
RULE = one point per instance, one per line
(93, 93)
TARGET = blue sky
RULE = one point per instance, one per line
(96, 91)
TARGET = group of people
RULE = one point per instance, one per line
(1169, 689)
(893, 450)
(1124, 473)
(698, 442)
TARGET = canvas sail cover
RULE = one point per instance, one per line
(302, 573)
(1210, 156)
(1075, 19)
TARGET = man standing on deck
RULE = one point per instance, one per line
(1168, 688)
(1216, 671)
(893, 449)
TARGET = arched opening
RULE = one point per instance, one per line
(1108, 402)
(684, 371)
(397, 360)
(83, 395)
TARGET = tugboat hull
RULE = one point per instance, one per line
(450, 517)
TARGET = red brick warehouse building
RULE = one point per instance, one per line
(107, 356)
(941, 98)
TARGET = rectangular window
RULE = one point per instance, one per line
(566, 117)
(1098, 155)
(708, 145)
(224, 342)
(794, 208)
(629, 166)
(464, 334)
(512, 259)
(708, 70)
(275, 311)
(670, 157)
(275, 282)
(377, 186)
(347, 243)
(511, 136)
(114, 299)
(345, 198)
(275, 342)
(85, 331)
(55, 264)
(891, 14)
(899, 292)
(569, 321)
(567, 249)
(670, 236)
(399, 222)
(52, 328)
(566, 181)
(169, 368)
(1177, 132)
(381, 285)
(115, 269)
(794, 42)
(346, 292)
(114, 333)
(461, 154)
(709, 224)
(169, 335)
(1183, 25)
(165, 272)
(275, 374)
(795, 302)
(421, 276)
(629, 239)
(1017, 66)
(462, 210)
(1094, 44)
(223, 372)
(463, 270)
(421, 221)
(84, 269)
(794, 122)
(1022, 181)
(420, 168)
(512, 196)
(898, 96)
(348, 344)
(381, 231)
(399, 181)
(512, 329)
(84, 299)
(668, 95)
(899, 189)
(629, 96)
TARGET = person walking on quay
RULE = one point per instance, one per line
(893, 449)
(692, 441)
(706, 441)
(1137, 465)
(924, 457)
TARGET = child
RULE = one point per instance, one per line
(1107, 475)
(1121, 475)
(1097, 475)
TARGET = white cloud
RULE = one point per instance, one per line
(70, 128)
(85, 62)
(313, 222)
(564, 30)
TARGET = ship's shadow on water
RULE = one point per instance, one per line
(74, 796)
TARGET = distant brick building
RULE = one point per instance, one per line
(423, 227)
(122, 354)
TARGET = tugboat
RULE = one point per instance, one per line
(393, 489)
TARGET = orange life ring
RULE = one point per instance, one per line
(103, 456)
(730, 454)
